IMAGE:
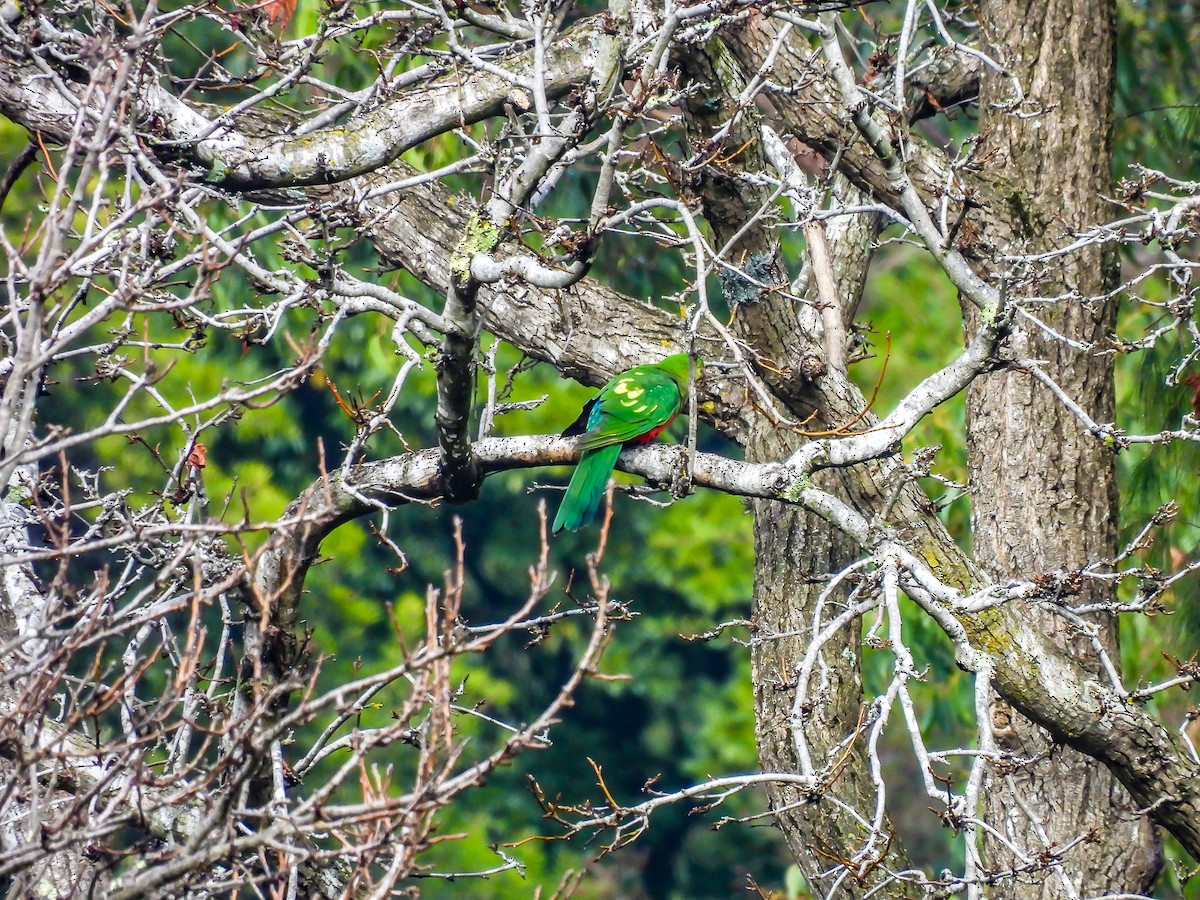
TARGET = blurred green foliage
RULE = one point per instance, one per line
(1158, 126)
(1158, 87)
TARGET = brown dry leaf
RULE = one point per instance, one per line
(278, 12)
(1193, 381)
(198, 458)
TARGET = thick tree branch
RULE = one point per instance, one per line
(820, 260)
(950, 82)
(812, 109)
(456, 391)
(237, 160)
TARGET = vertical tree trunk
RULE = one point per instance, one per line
(794, 550)
(1043, 489)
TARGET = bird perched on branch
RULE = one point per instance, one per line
(633, 408)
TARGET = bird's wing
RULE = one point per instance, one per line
(629, 406)
(580, 425)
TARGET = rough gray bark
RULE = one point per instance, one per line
(796, 550)
(69, 867)
(1044, 499)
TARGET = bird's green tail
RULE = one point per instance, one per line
(586, 487)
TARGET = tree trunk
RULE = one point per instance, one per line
(1043, 488)
(794, 550)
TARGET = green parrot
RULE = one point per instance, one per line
(633, 408)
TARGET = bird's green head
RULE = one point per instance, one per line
(677, 367)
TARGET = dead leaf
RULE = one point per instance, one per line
(1193, 381)
(278, 12)
(198, 458)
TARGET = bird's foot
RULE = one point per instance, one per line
(681, 484)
